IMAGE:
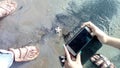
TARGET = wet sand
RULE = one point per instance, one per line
(34, 23)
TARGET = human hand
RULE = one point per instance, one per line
(72, 62)
(96, 32)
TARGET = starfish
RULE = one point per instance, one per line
(58, 29)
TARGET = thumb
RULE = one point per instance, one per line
(78, 58)
(67, 54)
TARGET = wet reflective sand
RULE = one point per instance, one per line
(34, 23)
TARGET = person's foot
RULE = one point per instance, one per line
(101, 61)
(26, 53)
(7, 7)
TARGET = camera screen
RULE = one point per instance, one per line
(80, 40)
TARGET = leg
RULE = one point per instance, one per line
(101, 61)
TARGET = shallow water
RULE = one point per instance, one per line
(34, 23)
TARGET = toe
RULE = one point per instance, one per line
(99, 62)
(95, 57)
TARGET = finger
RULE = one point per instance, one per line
(89, 24)
(78, 58)
(66, 64)
(92, 34)
(85, 24)
(67, 54)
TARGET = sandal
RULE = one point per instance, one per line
(101, 61)
(26, 53)
(7, 7)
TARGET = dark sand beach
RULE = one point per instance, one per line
(34, 23)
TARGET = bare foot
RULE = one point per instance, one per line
(7, 7)
(26, 53)
(101, 61)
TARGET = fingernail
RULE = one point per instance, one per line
(63, 45)
(82, 26)
(80, 52)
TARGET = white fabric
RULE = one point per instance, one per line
(6, 58)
